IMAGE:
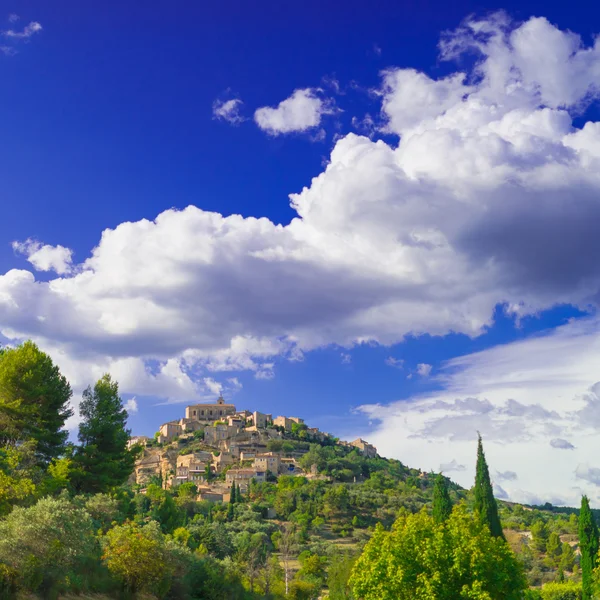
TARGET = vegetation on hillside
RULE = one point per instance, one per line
(369, 528)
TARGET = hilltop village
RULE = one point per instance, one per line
(215, 446)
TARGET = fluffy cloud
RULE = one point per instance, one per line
(45, 257)
(131, 406)
(303, 110)
(523, 397)
(489, 196)
(424, 370)
(228, 110)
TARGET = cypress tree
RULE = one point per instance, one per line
(238, 494)
(232, 494)
(102, 461)
(485, 503)
(588, 543)
(442, 505)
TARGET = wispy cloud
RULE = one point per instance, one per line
(27, 32)
(397, 363)
(228, 110)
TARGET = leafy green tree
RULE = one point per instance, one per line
(442, 505)
(34, 401)
(103, 460)
(138, 557)
(419, 558)
(588, 544)
(45, 542)
(16, 476)
(485, 503)
(232, 493)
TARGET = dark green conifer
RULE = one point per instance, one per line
(232, 494)
(588, 544)
(485, 503)
(102, 461)
(442, 505)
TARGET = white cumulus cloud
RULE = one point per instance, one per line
(45, 257)
(302, 111)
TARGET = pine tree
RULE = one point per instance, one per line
(34, 401)
(588, 544)
(485, 503)
(232, 494)
(442, 505)
(102, 461)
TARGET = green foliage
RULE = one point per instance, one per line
(338, 575)
(103, 460)
(485, 503)
(442, 505)
(34, 402)
(138, 557)
(539, 533)
(419, 559)
(588, 543)
(568, 590)
(43, 543)
(17, 471)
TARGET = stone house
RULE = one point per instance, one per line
(260, 420)
(191, 468)
(268, 461)
(243, 477)
(142, 440)
(218, 432)
(168, 431)
(283, 422)
(367, 449)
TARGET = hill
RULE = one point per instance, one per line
(331, 492)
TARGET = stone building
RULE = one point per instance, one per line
(210, 412)
(243, 477)
(283, 422)
(192, 468)
(268, 461)
(260, 420)
(142, 440)
(367, 449)
(168, 431)
(218, 432)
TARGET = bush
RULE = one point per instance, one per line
(45, 542)
(569, 590)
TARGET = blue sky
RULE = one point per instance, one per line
(440, 240)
